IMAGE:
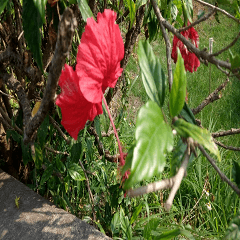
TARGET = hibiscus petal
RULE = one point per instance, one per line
(99, 56)
(76, 110)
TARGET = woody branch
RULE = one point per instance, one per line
(203, 55)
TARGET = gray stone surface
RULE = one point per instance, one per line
(36, 218)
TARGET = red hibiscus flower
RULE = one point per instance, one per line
(99, 56)
(191, 62)
(76, 110)
(98, 67)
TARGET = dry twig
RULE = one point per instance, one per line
(222, 175)
(211, 98)
(226, 147)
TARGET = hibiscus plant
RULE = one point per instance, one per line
(68, 66)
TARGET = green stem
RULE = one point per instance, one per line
(122, 162)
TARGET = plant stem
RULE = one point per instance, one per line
(122, 162)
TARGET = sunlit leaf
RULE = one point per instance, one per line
(234, 60)
(35, 108)
(153, 139)
(84, 9)
(152, 73)
(178, 91)
(132, 11)
(76, 172)
(200, 135)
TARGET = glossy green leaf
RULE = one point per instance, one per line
(187, 114)
(236, 172)
(152, 73)
(234, 60)
(3, 4)
(33, 19)
(187, 11)
(84, 9)
(153, 139)
(178, 92)
(76, 172)
(200, 135)
(132, 11)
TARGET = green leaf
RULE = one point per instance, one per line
(43, 131)
(33, 19)
(85, 10)
(115, 224)
(187, 114)
(38, 156)
(136, 213)
(178, 92)
(76, 172)
(153, 139)
(150, 226)
(200, 13)
(168, 235)
(3, 4)
(187, 11)
(152, 73)
(16, 136)
(26, 156)
(177, 157)
(75, 152)
(234, 60)
(47, 174)
(132, 11)
(233, 231)
(236, 173)
(201, 135)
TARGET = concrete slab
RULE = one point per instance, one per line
(36, 218)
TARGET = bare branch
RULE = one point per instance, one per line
(204, 18)
(55, 124)
(5, 116)
(222, 176)
(100, 148)
(168, 47)
(211, 98)
(173, 183)
(203, 56)
(15, 85)
(232, 131)
(219, 9)
(65, 34)
(226, 147)
(55, 151)
(227, 47)
(178, 179)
